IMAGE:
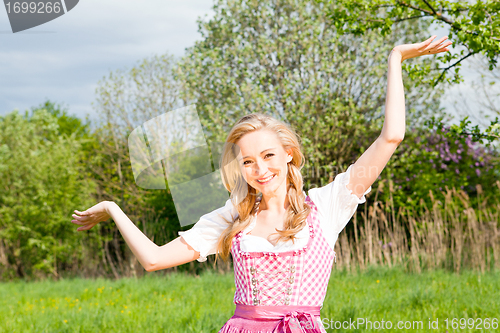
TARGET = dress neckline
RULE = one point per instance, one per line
(280, 254)
(245, 233)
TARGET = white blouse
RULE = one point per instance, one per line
(336, 205)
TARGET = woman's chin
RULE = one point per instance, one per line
(269, 189)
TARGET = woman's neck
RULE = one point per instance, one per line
(275, 204)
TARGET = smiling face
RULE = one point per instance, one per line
(263, 161)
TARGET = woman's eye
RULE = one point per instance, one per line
(245, 163)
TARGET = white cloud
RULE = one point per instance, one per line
(63, 59)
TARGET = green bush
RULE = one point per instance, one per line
(42, 182)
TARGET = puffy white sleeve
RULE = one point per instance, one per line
(203, 236)
(336, 205)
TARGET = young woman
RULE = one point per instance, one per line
(281, 240)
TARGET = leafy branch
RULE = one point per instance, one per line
(464, 129)
(475, 26)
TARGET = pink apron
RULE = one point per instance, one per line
(281, 291)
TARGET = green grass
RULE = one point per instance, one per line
(182, 303)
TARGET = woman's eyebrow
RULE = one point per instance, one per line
(260, 152)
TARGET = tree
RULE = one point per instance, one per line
(286, 58)
(487, 98)
(475, 25)
(42, 179)
(67, 124)
(127, 99)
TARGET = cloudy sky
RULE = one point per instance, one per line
(64, 59)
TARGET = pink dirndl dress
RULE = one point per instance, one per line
(281, 291)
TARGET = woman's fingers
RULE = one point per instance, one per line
(441, 47)
(431, 47)
(87, 227)
(81, 214)
(440, 42)
(90, 217)
(79, 222)
(80, 218)
(84, 225)
(429, 42)
(426, 42)
(437, 47)
(85, 212)
(426, 47)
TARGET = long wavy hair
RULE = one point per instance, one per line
(245, 198)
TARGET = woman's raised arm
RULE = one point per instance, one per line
(371, 163)
(151, 256)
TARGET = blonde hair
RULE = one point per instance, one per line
(244, 197)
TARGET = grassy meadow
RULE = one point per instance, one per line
(187, 303)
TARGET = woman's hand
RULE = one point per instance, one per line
(89, 218)
(408, 51)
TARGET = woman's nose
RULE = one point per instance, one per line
(260, 168)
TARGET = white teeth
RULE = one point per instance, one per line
(265, 180)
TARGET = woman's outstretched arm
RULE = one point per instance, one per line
(151, 256)
(371, 163)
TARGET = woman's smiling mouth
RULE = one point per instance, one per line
(266, 180)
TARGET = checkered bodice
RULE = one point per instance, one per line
(297, 277)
